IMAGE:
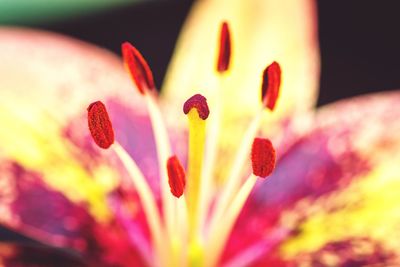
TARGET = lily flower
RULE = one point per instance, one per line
(98, 169)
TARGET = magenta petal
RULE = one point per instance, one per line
(50, 103)
(55, 183)
(48, 216)
(351, 143)
(135, 133)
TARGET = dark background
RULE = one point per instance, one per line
(359, 39)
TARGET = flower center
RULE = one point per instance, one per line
(190, 232)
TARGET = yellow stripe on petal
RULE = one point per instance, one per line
(46, 84)
(35, 141)
(368, 208)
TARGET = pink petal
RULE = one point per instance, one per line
(46, 215)
(325, 189)
(51, 169)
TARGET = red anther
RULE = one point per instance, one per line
(224, 55)
(100, 125)
(263, 157)
(176, 176)
(270, 85)
(200, 103)
(138, 68)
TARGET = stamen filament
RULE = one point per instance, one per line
(223, 63)
(143, 78)
(197, 112)
(220, 234)
(211, 150)
(233, 181)
(163, 153)
(207, 182)
(182, 225)
(178, 241)
(146, 197)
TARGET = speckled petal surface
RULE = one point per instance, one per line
(37, 211)
(47, 81)
(51, 169)
(333, 199)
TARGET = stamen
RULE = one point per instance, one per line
(270, 91)
(234, 179)
(263, 157)
(220, 234)
(207, 186)
(224, 55)
(179, 241)
(143, 78)
(197, 111)
(146, 197)
(163, 153)
(176, 175)
(100, 125)
(138, 68)
(270, 85)
(213, 128)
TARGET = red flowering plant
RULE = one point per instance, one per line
(98, 169)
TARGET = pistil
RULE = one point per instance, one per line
(195, 161)
(197, 111)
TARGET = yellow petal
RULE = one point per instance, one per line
(262, 31)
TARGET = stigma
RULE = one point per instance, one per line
(189, 198)
(198, 102)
